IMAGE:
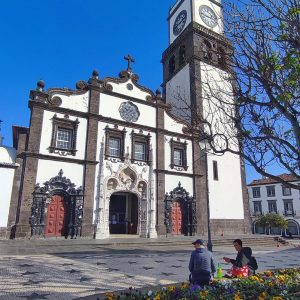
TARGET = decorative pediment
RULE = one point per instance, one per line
(57, 183)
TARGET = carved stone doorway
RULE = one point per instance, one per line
(123, 213)
(176, 218)
(56, 217)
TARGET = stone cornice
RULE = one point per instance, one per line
(179, 173)
(57, 158)
(103, 119)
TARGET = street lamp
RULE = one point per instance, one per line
(205, 147)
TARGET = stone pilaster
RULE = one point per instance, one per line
(90, 155)
(160, 165)
(20, 138)
(30, 164)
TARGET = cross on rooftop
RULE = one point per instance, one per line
(130, 60)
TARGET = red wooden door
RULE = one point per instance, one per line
(176, 219)
(55, 217)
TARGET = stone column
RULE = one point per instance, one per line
(151, 207)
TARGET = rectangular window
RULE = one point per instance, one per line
(271, 191)
(288, 207)
(178, 157)
(64, 138)
(256, 192)
(272, 206)
(215, 170)
(140, 151)
(257, 208)
(286, 191)
(114, 147)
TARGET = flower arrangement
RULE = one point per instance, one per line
(270, 285)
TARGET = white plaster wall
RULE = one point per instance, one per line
(186, 5)
(48, 169)
(178, 93)
(6, 183)
(172, 125)
(47, 134)
(189, 155)
(136, 92)
(216, 9)
(218, 104)
(225, 194)
(172, 182)
(75, 102)
(109, 107)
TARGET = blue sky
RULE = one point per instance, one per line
(63, 41)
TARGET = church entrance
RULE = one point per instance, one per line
(123, 213)
(56, 217)
(176, 218)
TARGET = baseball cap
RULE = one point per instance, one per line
(199, 241)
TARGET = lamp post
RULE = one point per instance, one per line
(205, 147)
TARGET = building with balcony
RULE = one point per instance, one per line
(267, 195)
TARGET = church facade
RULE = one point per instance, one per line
(113, 157)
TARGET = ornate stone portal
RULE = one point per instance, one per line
(125, 180)
(42, 196)
(187, 204)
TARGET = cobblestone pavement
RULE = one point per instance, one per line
(92, 270)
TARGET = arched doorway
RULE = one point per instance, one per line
(123, 213)
(176, 212)
(293, 228)
(56, 217)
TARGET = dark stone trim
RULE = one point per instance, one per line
(118, 134)
(64, 123)
(124, 77)
(161, 171)
(115, 121)
(188, 206)
(175, 9)
(56, 158)
(17, 131)
(8, 166)
(133, 99)
(144, 139)
(182, 147)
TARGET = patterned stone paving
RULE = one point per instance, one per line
(72, 275)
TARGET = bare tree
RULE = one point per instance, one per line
(251, 107)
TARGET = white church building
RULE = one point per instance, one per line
(112, 157)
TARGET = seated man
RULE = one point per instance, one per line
(243, 257)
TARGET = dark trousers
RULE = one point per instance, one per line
(200, 280)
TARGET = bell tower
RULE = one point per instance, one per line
(195, 69)
(196, 43)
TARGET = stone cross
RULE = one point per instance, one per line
(130, 60)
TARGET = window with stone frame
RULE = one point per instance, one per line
(115, 143)
(286, 191)
(256, 192)
(288, 207)
(140, 147)
(178, 155)
(257, 208)
(272, 205)
(271, 191)
(64, 135)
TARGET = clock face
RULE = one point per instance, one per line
(129, 112)
(179, 22)
(208, 16)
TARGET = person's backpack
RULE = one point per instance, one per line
(253, 263)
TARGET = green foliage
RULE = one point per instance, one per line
(272, 220)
